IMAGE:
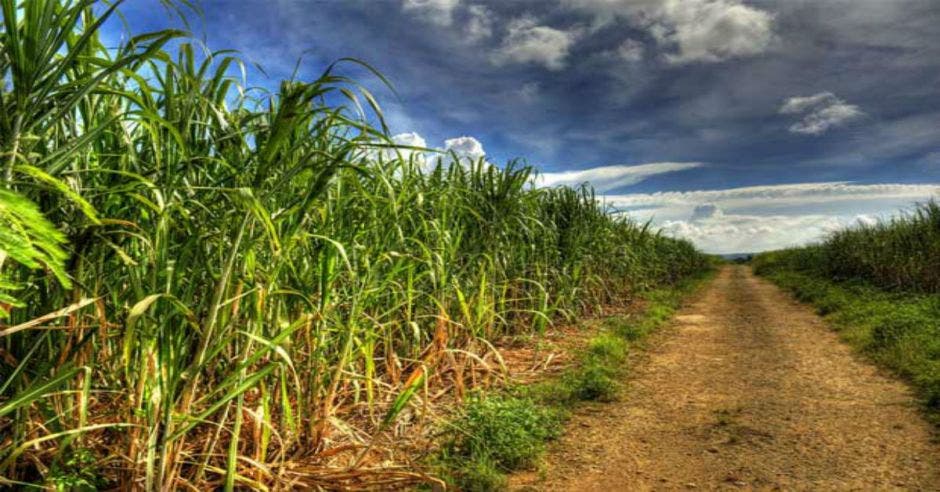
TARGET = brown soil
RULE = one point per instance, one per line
(748, 389)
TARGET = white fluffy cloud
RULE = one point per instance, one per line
(528, 42)
(692, 30)
(801, 104)
(608, 178)
(821, 112)
(465, 147)
(759, 218)
(748, 233)
(712, 30)
(687, 30)
(410, 139)
(440, 12)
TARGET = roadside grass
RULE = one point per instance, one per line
(496, 433)
(899, 330)
(500, 432)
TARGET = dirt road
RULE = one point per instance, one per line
(748, 389)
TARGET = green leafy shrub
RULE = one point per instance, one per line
(930, 382)
(475, 475)
(508, 431)
(830, 301)
(608, 347)
(494, 435)
(890, 329)
(594, 381)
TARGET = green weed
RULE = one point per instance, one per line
(607, 347)
(593, 381)
(494, 435)
(75, 472)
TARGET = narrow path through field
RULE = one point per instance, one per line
(749, 389)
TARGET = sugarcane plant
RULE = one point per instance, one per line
(205, 284)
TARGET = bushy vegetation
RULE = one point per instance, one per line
(878, 285)
(899, 254)
(203, 284)
(496, 434)
(596, 378)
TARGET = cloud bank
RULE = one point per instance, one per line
(691, 30)
(759, 218)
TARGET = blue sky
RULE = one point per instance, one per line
(742, 125)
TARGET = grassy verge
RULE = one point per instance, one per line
(500, 432)
(899, 330)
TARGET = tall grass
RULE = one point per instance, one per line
(898, 254)
(208, 286)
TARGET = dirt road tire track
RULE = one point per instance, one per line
(749, 389)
